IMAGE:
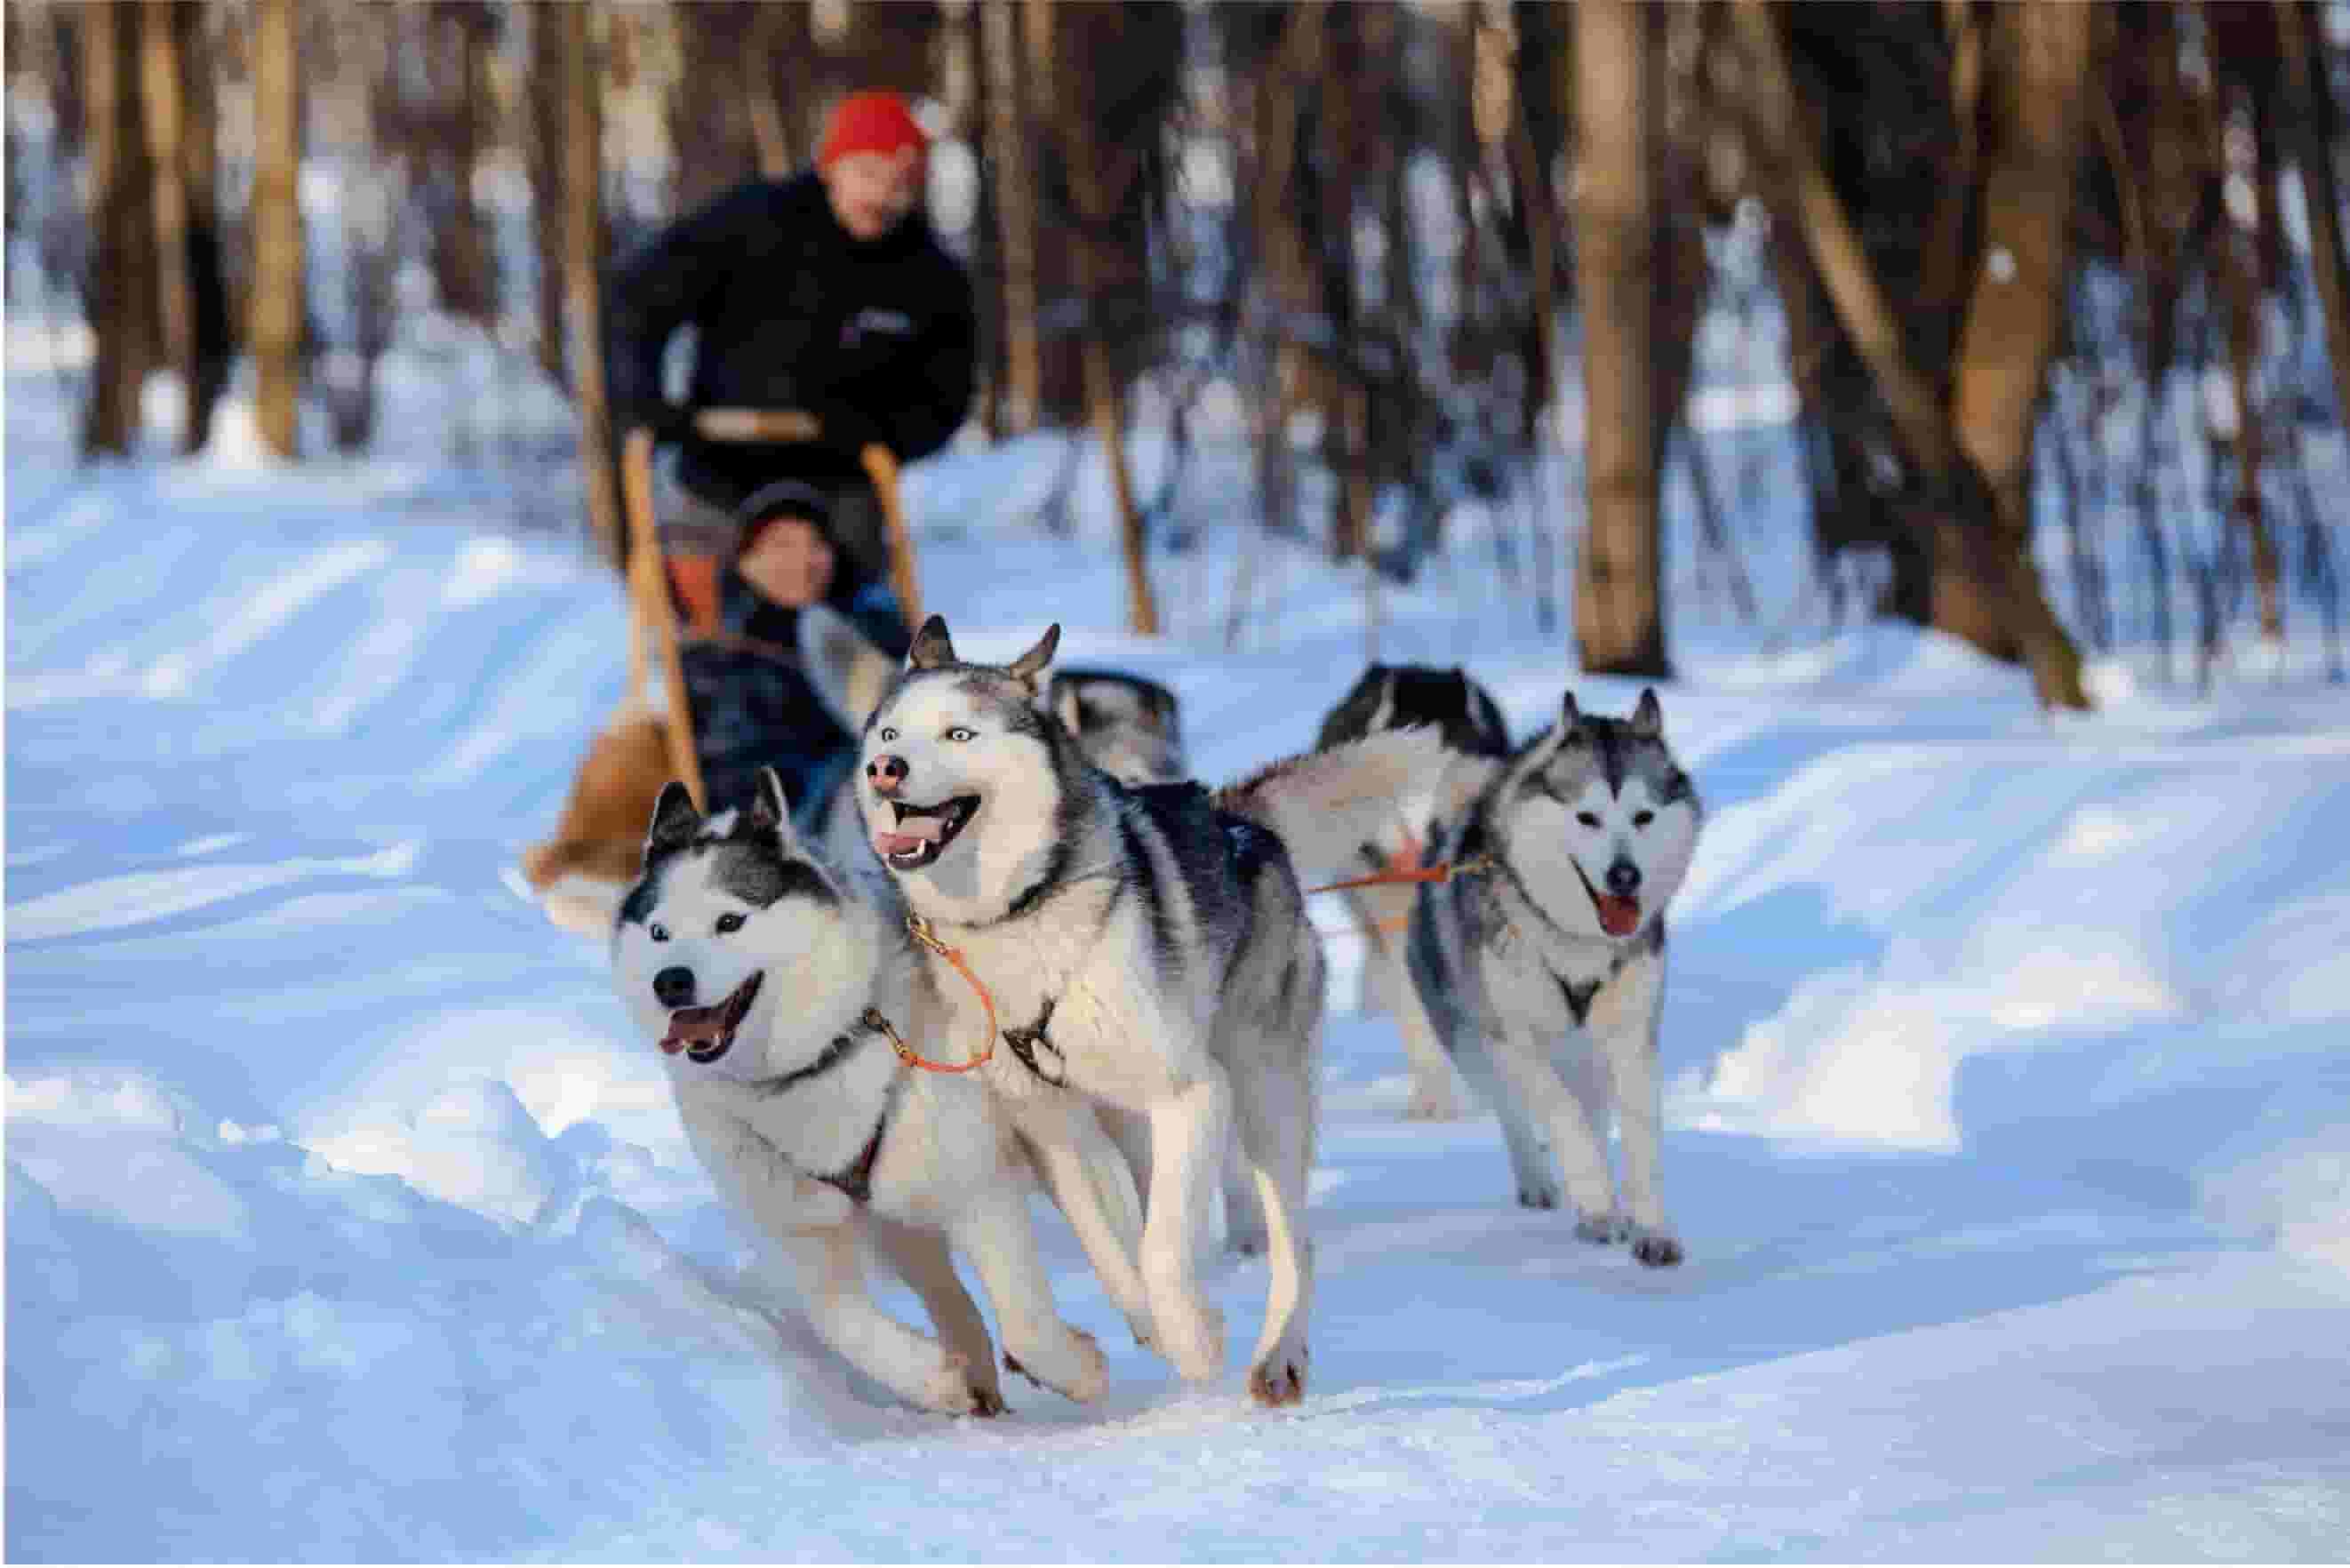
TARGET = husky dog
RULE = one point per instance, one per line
(1393, 697)
(777, 988)
(1129, 725)
(1146, 947)
(1543, 970)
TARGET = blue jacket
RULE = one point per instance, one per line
(755, 706)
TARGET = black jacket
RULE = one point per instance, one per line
(791, 311)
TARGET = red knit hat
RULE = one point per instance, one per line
(873, 122)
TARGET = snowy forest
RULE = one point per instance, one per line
(1915, 427)
(2060, 290)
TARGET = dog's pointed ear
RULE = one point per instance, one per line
(1648, 718)
(1570, 716)
(675, 821)
(769, 811)
(1030, 664)
(933, 646)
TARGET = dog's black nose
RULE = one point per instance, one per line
(674, 986)
(1623, 878)
(885, 772)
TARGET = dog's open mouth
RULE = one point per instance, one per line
(923, 832)
(1618, 917)
(706, 1034)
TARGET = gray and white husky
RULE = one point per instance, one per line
(1146, 947)
(776, 986)
(1544, 972)
(1464, 713)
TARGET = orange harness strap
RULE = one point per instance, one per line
(923, 933)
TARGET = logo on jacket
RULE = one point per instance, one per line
(896, 323)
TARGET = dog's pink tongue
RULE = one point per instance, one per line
(911, 834)
(691, 1026)
(1618, 917)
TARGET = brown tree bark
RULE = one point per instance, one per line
(1976, 450)
(162, 73)
(119, 287)
(276, 332)
(1015, 185)
(1099, 178)
(582, 216)
(1618, 584)
(2314, 126)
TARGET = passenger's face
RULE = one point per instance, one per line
(790, 563)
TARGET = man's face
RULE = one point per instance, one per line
(872, 193)
(789, 562)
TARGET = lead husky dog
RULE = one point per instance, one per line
(1146, 947)
(1543, 970)
(1395, 697)
(777, 988)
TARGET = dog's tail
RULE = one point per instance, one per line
(1326, 805)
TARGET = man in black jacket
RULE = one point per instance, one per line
(828, 292)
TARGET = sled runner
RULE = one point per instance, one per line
(598, 843)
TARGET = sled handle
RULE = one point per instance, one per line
(650, 610)
(756, 424)
(881, 468)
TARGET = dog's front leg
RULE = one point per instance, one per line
(1525, 1065)
(813, 1229)
(920, 1259)
(914, 1368)
(1092, 1183)
(1624, 1025)
(994, 1233)
(1189, 1130)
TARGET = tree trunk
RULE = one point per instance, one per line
(1975, 525)
(2014, 317)
(1015, 185)
(118, 292)
(276, 333)
(1099, 194)
(1618, 584)
(162, 75)
(546, 156)
(583, 260)
(2315, 123)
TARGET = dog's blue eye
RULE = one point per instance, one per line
(659, 933)
(729, 921)
(960, 733)
(1588, 818)
(1642, 818)
(889, 734)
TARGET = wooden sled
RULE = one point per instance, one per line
(580, 871)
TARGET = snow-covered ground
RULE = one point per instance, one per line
(2009, 1127)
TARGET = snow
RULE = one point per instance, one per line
(2008, 1125)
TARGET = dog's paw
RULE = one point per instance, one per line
(1193, 1339)
(1603, 1228)
(948, 1390)
(1656, 1248)
(1076, 1369)
(1279, 1379)
(987, 1402)
(1250, 1241)
(1538, 1195)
